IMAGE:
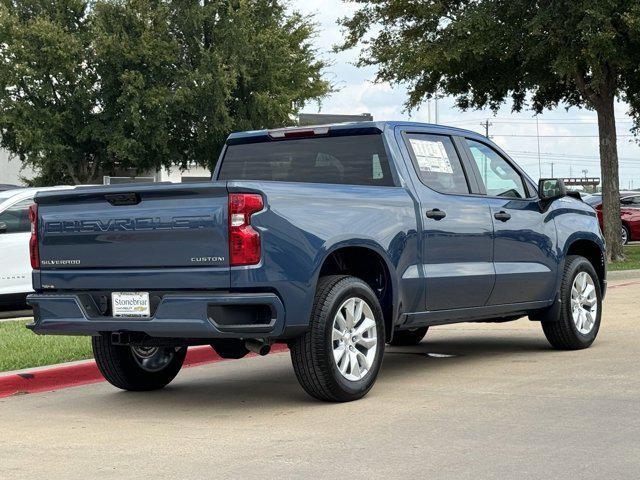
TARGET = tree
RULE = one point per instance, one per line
(583, 53)
(47, 87)
(92, 88)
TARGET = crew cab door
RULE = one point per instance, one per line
(456, 228)
(524, 235)
(15, 275)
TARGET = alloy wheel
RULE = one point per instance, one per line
(584, 303)
(354, 339)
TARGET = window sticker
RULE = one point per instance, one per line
(431, 156)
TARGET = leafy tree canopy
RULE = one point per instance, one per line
(539, 55)
(89, 88)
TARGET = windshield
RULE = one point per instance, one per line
(354, 160)
(593, 200)
(10, 193)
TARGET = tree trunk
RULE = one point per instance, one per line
(612, 224)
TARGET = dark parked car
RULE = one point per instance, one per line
(334, 239)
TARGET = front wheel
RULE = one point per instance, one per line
(580, 310)
(137, 368)
(338, 359)
(625, 235)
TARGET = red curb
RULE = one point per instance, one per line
(64, 376)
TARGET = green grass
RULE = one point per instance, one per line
(20, 348)
(632, 261)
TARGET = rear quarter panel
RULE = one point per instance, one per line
(303, 223)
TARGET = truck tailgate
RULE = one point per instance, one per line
(173, 227)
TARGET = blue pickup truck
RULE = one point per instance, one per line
(335, 239)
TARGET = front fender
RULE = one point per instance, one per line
(576, 222)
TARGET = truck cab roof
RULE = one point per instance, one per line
(346, 128)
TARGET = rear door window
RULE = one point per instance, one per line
(437, 163)
(352, 160)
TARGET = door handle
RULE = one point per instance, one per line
(502, 216)
(436, 214)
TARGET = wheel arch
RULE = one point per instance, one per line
(369, 262)
(591, 248)
(594, 252)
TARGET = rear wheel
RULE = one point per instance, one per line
(137, 368)
(338, 359)
(580, 311)
(408, 337)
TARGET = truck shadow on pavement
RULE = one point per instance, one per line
(232, 387)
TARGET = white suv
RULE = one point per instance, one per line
(15, 265)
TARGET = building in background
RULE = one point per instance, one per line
(175, 175)
(11, 171)
(305, 119)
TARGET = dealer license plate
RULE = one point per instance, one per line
(130, 304)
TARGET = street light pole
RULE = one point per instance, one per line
(538, 138)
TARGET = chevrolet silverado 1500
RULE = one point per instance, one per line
(335, 239)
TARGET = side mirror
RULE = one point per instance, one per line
(550, 189)
(3, 227)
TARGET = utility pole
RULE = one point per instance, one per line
(486, 124)
(435, 101)
(538, 138)
(570, 171)
(552, 170)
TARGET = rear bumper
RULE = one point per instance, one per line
(178, 315)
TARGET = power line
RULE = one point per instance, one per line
(550, 121)
(552, 136)
(564, 155)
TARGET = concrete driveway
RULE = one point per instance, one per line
(503, 405)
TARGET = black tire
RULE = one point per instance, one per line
(563, 334)
(625, 235)
(119, 367)
(312, 353)
(404, 338)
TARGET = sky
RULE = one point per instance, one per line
(568, 139)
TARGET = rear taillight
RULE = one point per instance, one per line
(244, 241)
(34, 251)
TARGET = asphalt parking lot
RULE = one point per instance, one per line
(472, 401)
